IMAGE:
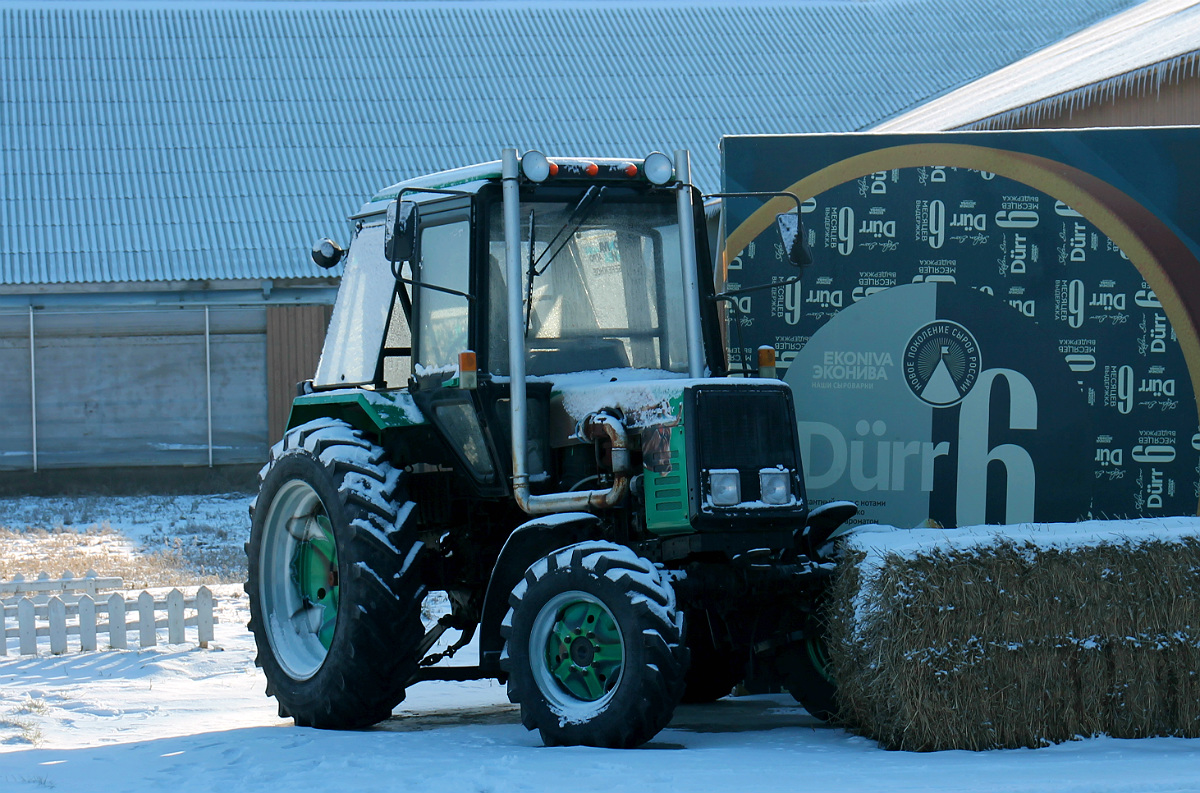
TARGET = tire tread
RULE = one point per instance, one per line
(375, 647)
(665, 656)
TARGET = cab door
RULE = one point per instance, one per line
(444, 315)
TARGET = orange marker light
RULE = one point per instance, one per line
(592, 169)
(631, 169)
(468, 377)
(554, 169)
(766, 362)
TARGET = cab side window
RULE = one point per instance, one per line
(441, 316)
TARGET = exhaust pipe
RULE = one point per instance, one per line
(594, 427)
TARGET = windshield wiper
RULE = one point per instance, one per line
(587, 203)
(529, 276)
(590, 199)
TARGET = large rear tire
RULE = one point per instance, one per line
(335, 592)
(594, 647)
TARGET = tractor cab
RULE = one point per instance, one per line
(598, 263)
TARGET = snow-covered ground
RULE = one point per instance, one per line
(215, 519)
(147, 540)
(180, 718)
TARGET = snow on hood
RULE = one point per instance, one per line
(642, 395)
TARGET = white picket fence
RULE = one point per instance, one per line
(86, 606)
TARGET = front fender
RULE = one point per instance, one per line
(824, 525)
(528, 542)
(369, 411)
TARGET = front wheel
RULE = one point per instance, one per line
(808, 674)
(594, 647)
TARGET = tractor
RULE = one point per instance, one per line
(523, 402)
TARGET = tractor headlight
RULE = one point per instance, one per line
(725, 487)
(775, 485)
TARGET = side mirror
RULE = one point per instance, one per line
(326, 253)
(795, 246)
(400, 232)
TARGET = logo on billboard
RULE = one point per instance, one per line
(941, 363)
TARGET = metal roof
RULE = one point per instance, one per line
(194, 141)
(1152, 43)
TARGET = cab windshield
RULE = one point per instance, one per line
(603, 288)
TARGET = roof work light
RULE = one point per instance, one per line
(536, 167)
(658, 168)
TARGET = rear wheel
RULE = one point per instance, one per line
(334, 594)
(594, 648)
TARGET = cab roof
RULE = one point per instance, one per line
(472, 178)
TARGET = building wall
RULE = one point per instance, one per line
(16, 424)
(138, 386)
(1176, 103)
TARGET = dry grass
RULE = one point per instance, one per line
(1015, 645)
(19, 731)
(171, 562)
(20, 728)
(149, 541)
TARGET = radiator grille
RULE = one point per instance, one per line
(747, 430)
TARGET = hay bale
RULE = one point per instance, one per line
(994, 637)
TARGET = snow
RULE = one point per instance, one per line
(598, 376)
(396, 405)
(186, 719)
(179, 718)
(365, 525)
(349, 454)
(879, 542)
(144, 519)
(643, 397)
(404, 511)
(429, 371)
(366, 568)
(408, 560)
(187, 447)
(557, 519)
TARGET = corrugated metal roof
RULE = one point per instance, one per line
(216, 141)
(1138, 49)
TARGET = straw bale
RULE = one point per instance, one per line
(1015, 645)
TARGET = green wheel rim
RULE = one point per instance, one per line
(315, 575)
(577, 652)
(298, 579)
(584, 650)
(818, 653)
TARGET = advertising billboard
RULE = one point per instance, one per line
(997, 327)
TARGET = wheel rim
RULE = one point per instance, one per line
(818, 654)
(298, 579)
(577, 653)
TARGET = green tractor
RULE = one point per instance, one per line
(522, 402)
